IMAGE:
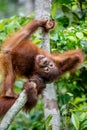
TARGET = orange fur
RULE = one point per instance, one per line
(32, 94)
(20, 57)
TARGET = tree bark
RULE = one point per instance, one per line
(42, 11)
(17, 106)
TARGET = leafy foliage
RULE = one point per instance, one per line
(69, 11)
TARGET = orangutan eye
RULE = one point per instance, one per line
(46, 69)
(45, 62)
(51, 65)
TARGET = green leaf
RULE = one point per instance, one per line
(79, 35)
(48, 119)
(85, 31)
(84, 127)
(72, 38)
(75, 121)
(49, 127)
(55, 37)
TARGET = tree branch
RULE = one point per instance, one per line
(17, 106)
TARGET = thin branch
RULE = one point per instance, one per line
(17, 106)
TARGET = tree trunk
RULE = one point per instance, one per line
(42, 11)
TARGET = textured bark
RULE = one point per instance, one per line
(42, 11)
(17, 106)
